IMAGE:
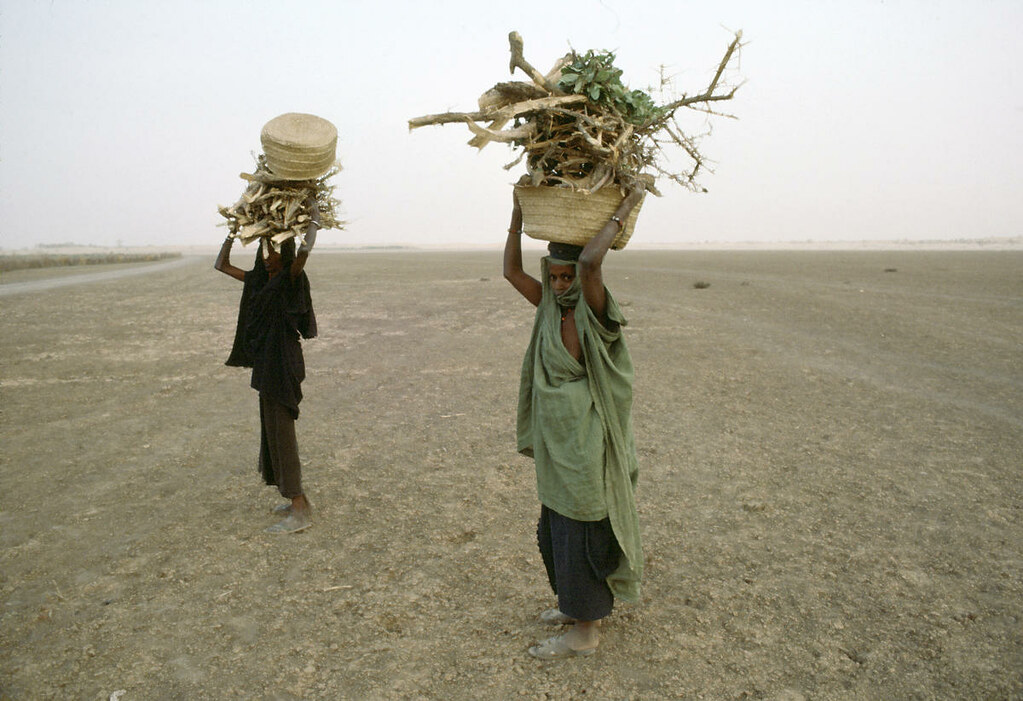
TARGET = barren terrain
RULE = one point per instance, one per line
(830, 447)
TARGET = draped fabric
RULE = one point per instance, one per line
(254, 280)
(274, 312)
(574, 420)
(578, 557)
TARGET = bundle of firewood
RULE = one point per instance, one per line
(579, 127)
(280, 209)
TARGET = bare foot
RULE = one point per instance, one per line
(584, 635)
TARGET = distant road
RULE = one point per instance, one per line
(65, 280)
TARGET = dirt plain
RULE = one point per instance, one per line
(830, 494)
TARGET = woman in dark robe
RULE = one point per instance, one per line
(275, 310)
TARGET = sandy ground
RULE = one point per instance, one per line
(831, 502)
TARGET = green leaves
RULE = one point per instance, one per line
(594, 74)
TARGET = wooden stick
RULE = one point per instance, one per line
(519, 61)
(724, 62)
(708, 94)
(447, 118)
(506, 136)
(508, 112)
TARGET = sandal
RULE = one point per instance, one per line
(554, 617)
(285, 509)
(292, 524)
(556, 648)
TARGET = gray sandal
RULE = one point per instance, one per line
(554, 617)
(556, 648)
(292, 524)
(285, 509)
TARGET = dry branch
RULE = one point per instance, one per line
(519, 61)
(507, 112)
(485, 135)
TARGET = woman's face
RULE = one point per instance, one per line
(272, 259)
(561, 277)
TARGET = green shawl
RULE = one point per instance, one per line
(575, 421)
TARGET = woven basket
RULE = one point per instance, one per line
(569, 216)
(299, 146)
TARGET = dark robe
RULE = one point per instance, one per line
(273, 314)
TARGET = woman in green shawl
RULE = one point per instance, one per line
(574, 420)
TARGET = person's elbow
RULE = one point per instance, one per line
(590, 262)
(512, 272)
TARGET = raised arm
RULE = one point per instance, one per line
(592, 257)
(302, 254)
(223, 263)
(528, 286)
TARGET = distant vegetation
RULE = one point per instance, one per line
(56, 260)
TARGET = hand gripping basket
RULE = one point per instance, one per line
(570, 216)
(299, 146)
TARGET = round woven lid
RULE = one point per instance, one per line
(299, 146)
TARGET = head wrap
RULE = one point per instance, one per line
(564, 252)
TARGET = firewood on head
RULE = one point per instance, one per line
(579, 127)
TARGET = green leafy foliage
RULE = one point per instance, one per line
(594, 74)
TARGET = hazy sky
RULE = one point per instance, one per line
(129, 120)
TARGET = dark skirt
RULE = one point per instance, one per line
(278, 448)
(579, 556)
